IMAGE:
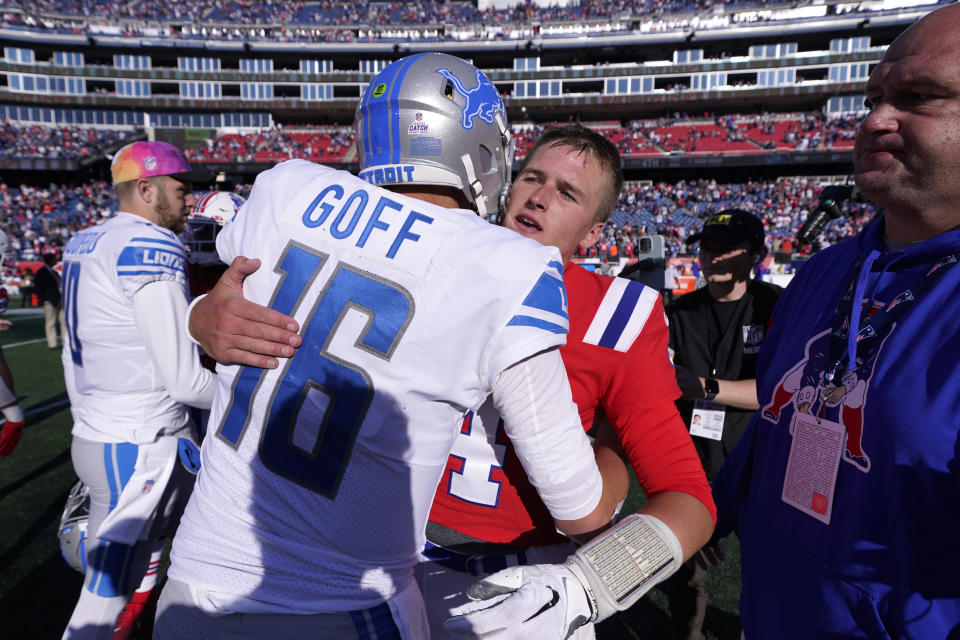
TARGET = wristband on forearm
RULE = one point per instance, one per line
(619, 566)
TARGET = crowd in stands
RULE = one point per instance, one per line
(332, 13)
(319, 144)
(726, 134)
(40, 220)
(333, 144)
(677, 134)
(62, 141)
(321, 20)
(677, 210)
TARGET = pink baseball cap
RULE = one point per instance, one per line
(148, 159)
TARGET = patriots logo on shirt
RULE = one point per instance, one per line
(942, 263)
(906, 296)
(807, 389)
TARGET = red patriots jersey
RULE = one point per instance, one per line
(616, 359)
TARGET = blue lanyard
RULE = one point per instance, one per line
(847, 325)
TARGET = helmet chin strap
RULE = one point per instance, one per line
(476, 188)
(508, 151)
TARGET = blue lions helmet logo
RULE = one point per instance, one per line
(482, 101)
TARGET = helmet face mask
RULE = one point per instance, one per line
(212, 211)
(73, 527)
(434, 119)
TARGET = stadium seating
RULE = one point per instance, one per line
(319, 144)
(318, 21)
(37, 141)
(39, 219)
(731, 134)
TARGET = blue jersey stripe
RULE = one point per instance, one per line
(548, 295)
(126, 461)
(154, 272)
(381, 132)
(360, 624)
(177, 246)
(395, 107)
(146, 256)
(528, 321)
(384, 624)
(112, 575)
(150, 260)
(365, 110)
(620, 317)
(99, 558)
(112, 483)
(119, 462)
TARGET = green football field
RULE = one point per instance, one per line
(38, 589)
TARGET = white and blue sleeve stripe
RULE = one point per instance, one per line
(545, 307)
(148, 256)
(621, 316)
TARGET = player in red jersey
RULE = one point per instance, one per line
(617, 362)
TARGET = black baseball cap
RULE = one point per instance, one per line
(730, 227)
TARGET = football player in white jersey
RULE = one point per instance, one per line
(13, 418)
(129, 373)
(565, 190)
(317, 477)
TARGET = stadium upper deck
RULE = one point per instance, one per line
(327, 21)
(122, 65)
(123, 80)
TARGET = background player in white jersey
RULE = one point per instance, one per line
(129, 371)
(310, 506)
(13, 418)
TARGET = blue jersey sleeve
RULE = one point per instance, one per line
(150, 256)
(539, 322)
(545, 307)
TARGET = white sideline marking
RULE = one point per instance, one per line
(20, 344)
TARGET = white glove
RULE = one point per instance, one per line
(536, 602)
(548, 601)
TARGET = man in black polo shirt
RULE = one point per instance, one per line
(715, 334)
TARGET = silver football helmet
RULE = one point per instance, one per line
(73, 527)
(434, 119)
(212, 211)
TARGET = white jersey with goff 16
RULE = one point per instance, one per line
(324, 470)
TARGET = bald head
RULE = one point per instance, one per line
(907, 154)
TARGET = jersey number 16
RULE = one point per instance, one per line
(319, 462)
